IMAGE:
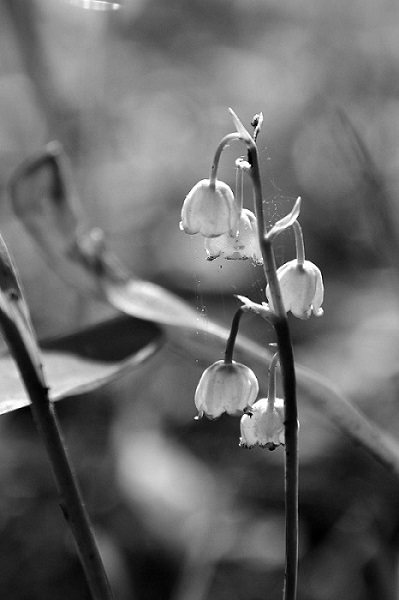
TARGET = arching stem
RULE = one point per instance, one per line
(299, 243)
(228, 355)
(222, 145)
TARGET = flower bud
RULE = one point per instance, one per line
(263, 425)
(210, 209)
(244, 245)
(225, 387)
(301, 289)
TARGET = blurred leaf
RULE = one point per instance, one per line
(84, 361)
(44, 199)
(376, 202)
(14, 314)
(344, 556)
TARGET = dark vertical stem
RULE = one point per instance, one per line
(228, 355)
(70, 497)
(286, 353)
(291, 456)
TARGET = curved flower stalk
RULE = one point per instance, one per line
(264, 425)
(301, 282)
(245, 244)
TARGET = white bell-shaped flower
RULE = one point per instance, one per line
(210, 209)
(240, 247)
(263, 425)
(229, 387)
(301, 287)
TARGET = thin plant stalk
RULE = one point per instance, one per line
(16, 327)
(299, 243)
(286, 354)
(71, 501)
(228, 355)
(271, 387)
(230, 137)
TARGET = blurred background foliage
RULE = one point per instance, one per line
(139, 97)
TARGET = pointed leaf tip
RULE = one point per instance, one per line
(243, 299)
(245, 135)
(286, 221)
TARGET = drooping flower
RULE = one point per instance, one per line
(302, 289)
(210, 209)
(263, 425)
(229, 387)
(240, 247)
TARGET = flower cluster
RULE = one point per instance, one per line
(241, 246)
(233, 233)
(230, 231)
(232, 388)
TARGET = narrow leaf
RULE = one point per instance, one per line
(79, 363)
(286, 221)
(44, 198)
(245, 135)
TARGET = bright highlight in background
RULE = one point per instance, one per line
(96, 4)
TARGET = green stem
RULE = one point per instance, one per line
(271, 388)
(289, 385)
(222, 145)
(299, 243)
(240, 189)
(70, 497)
(269, 262)
(228, 355)
(291, 456)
